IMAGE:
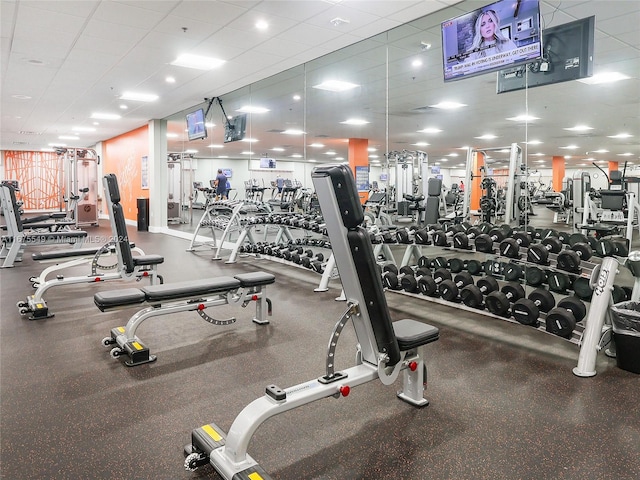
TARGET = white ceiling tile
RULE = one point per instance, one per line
(132, 16)
(109, 31)
(293, 9)
(219, 13)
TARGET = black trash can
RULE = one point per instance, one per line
(143, 214)
(625, 319)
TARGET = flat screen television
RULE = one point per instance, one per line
(503, 34)
(267, 162)
(196, 129)
(235, 128)
(567, 55)
(227, 172)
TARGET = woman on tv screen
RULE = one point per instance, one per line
(488, 39)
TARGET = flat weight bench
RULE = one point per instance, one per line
(167, 299)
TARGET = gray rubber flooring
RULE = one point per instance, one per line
(504, 403)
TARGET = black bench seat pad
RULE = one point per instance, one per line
(55, 235)
(412, 334)
(171, 291)
(72, 252)
(255, 279)
(118, 298)
(148, 260)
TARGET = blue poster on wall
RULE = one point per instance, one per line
(362, 178)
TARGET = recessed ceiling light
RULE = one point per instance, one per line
(223, 156)
(106, 116)
(605, 77)
(317, 145)
(486, 136)
(198, 62)
(123, 107)
(600, 150)
(355, 121)
(620, 135)
(247, 152)
(335, 86)
(534, 142)
(252, 109)
(453, 155)
(330, 152)
(336, 22)
(191, 150)
(539, 154)
(297, 97)
(172, 135)
(21, 97)
(569, 147)
(568, 157)
(209, 124)
(96, 123)
(296, 155)
(278, 149)
(372, 149)
(523, 118)
(139, 97)
(421, 144)
(446, 105)
(339, 158)
(626, 154)
(262, 25)
(373, 156)
(293, 131)
(83, 129)
(430, 130)
(579, 128)
(416, 63)
(170, 79)
(311, 160)
(249, 140)
(69, 137)
(216, 145)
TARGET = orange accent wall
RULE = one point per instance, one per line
(476, 190)
(123, 156)
(613, 166)
(359, 157)
(39, 175)
(557, 172)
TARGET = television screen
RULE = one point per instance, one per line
(567, 55)
(196, 128)
(227, 172)
(267, 163)
(235, 128)
(502, 34)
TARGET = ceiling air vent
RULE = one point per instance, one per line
(26, 132)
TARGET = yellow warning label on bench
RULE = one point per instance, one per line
(121, 329)
(255, 476)
(137, 346)
(212, 433)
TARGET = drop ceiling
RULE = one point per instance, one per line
(64, 60)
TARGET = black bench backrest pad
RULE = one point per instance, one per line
(16, 208)
(346, 191)
(168, 291)
(118, 298)
(122, 238)
(374, 298)
(114, 190)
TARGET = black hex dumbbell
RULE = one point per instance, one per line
(562, 320)
(510, 247)
(423, 236)
(461, 239)
(450, 289)
(429, 285)
(527, 310)
(440, 238)
(392, 277)
(456, 265)
(498, 303)
(309, 258)
(512, 272)
(558, 282)
(484, 242)
(405, 234)
(539, 253)
(472, 295)
(409, 282)
(569, 260)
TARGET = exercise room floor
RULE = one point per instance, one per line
(504, 403)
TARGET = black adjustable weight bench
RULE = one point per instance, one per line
(165, 299)
(385, 349)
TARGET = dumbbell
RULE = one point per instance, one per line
(510, 247)
(471, 295)
(527, 310)
(512, 272)
(539, 253)
(440, 238)
(461, 239)
(569, 259)
(543, 233)
(450, 289)
(391, 276)
(292, 249)
(429, 285)
(423, 236)
(310, 258)
(498, 302)
(562, 320)
(484, 242)
(456, 265)
(558, 281)
(409, 282)
(405, 234)
(534, 276)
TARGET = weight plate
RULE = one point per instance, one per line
(497, 303)
(582, 288)
(513, 291)
(525, 312)
(512, 272)
(474, 267)
(575, 305)
(471, 296)
(456, 265)
(558, 282)
(577, 238)
(424, 262)
(560, 322)
(543, 299)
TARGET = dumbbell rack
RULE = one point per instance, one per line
(595, 326)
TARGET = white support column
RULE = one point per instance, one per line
(158, 182)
